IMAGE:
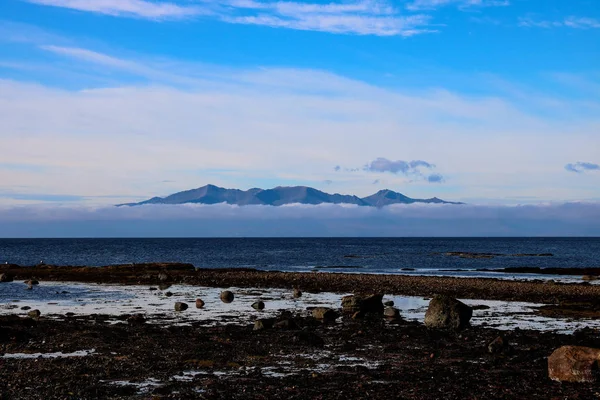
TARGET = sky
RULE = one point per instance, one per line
(488, 102)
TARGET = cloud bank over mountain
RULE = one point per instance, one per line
(221, 220)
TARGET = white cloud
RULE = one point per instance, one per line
(463, 4)
(303, 220)
(127, 8)
(222, 128)
(355, 24)
(569, 22)
(360, 17)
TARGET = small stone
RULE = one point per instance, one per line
(262, 324)
(498, 345)
(391, 312)
(297, 293)
(199, 303)
(388, 303)
(180, 306)
(26, 308)
(34, 313)
(168, 294)
(259, 305)
(324, 314)
(367, 304)
(227, 296)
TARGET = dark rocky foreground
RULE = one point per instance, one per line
(389, 360)
(303, 358)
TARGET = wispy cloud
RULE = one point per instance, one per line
(127, 8)
(107, 140)
(582, 167)
(359, 17)
(569, 22)
(462, 4)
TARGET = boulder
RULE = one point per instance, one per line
(367, 304)
(574, 364)
(297, 293)
(265, 323)
(199, 303)
(180, 306)
(498, 345)
(445, 312)
(168, 294)
(259, 305)
(6, 278)
(391, 312)
(227, 296)
(388, 303)
(324, 314)
(34, 313)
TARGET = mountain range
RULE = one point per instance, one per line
(281, 195)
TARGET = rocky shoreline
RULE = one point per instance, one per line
(360, 349)
(547, 291)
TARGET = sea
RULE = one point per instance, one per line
(415, 256)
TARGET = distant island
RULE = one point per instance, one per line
(282, 195)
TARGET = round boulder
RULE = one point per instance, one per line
(574, 364)
(259, 305)
(227, 296)
(6, 278)
(199, 303)
(34, 313)
(180, 306)
(297, 293)
(445, 312)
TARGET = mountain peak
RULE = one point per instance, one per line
(281, 195)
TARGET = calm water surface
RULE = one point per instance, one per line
(365, 255)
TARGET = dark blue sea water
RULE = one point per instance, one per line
(364, 255)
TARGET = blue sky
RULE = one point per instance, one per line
(483, 101)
